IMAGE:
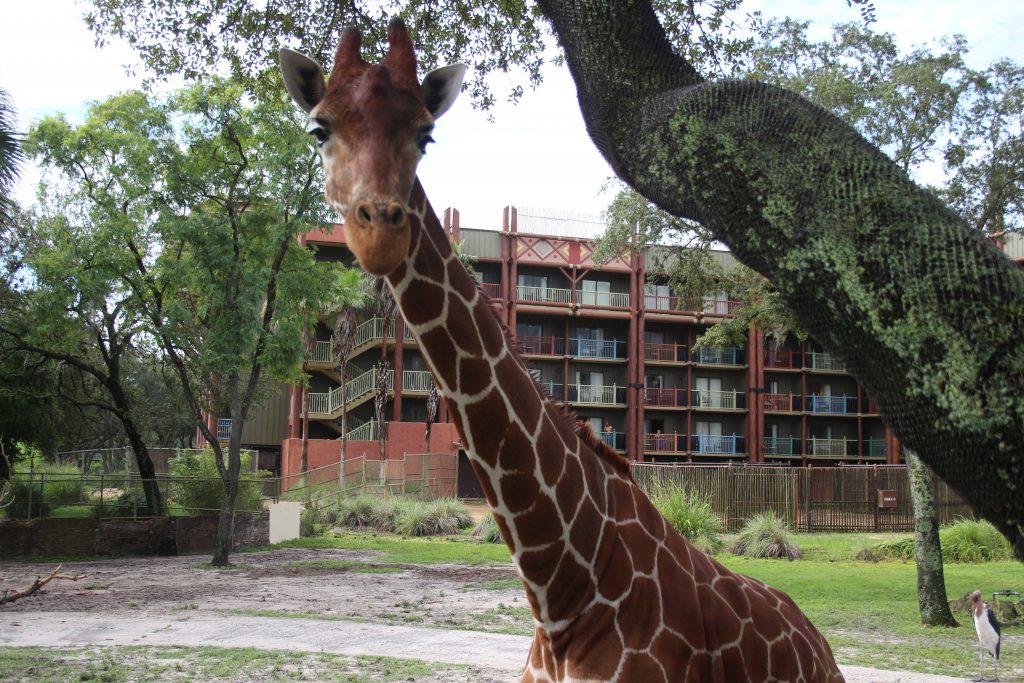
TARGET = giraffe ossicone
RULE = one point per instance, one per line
(616, 593)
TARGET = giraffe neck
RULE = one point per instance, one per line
(534, 468)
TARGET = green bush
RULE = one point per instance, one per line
(969, 542)
(766, 536)
(201, 488)
(965, 542)
(38, 490)
(129, 504)
(439, 517)
(691, 516)
(487, 530)
(387, 511)
(357, 512)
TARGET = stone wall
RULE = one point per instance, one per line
(119, 537)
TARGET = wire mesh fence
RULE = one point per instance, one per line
(64, 491)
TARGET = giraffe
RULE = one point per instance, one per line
(616, 593)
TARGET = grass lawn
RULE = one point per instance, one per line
(867, 611)
(135, 663)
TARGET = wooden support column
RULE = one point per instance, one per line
(399, 366)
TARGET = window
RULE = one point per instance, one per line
(657, 297)
(223, 428)
(595, 293)
(709, 392)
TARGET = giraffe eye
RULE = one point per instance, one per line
(424, 139)
(318, 129)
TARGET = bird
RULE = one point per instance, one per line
(989, 635)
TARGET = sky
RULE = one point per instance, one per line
(533, 154)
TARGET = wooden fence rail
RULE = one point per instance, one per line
(851, 498)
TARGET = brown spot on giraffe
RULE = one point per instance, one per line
(617, 594)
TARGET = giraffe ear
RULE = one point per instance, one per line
(441, 86)
(303, 78)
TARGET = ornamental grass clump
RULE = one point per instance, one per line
(968, 541)
(357, 512)
(892, 550)
(766, 536)
(440, 517)
(487, 530)
(692, 516)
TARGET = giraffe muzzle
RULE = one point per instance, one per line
(378, 234)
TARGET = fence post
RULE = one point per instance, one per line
(728, 497)
(101, 494)
(873, 500)
(805, 475)
(425, 466)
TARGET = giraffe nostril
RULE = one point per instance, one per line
(396, 215)
(365, 215)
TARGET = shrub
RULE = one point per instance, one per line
(130, 503)
(37, 490)
(969, 541)
(442, 516)
(201, 488)
(387, 511)
(357, 512)
(487, 530)
(691, 516)
(766, 536)
(893, 550)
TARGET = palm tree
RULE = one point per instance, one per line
(309, 341)
(11, 157)
(350, 296)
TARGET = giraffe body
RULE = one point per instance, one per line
(616, 593)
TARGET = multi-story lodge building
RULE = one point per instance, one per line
(614, 345)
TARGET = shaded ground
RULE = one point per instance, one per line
(468, 623)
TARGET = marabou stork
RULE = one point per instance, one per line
(988, 633)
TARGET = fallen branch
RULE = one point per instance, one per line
(12, 595)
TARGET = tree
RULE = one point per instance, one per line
(931, 582)
(350, 295)
(232, 291)
(861, 255)
(11, 157)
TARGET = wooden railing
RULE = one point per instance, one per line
(541, 346)
(671, 398)
(832, 405)
(782, 403)
(719, 306)
(822, 360)
(614, 440)
(728, 355)
(492, 289)
(605, 349)
(665, 443)
(543, 294)
(781, 445)
(665, 352)
(725, 400)
(722, 444)
(606, 299)
(418, 381)
(783, 358)
(593, 394)
(831, 448)
(321, 353)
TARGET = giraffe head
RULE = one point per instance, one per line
(372, 124)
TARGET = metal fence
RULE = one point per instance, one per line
(45, 492)
(94, 461)
(851, 498)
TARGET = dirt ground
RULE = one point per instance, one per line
(472, 616)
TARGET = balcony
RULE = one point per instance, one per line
(553, 389)
(729, 355)
(664, 398)
(591, 394)
(717, 444)
(417, 381)
(665, 443)
(546, 295)
(356, 391)
(832, 405)
(541, 346)
(602, 349)
(782, 403)
(868, 407)
(720, 400)
(653, 302)
(665, 353)
(604, 299)
(614, 440)
(374, 329)
(715, 306)
(831, 448)
(783, 359)
(781, 445)
(491, 289)
(321, 354)
(874, 448)
(821, 360)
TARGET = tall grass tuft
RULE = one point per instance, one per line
(387, 513)
(892, 550)
(487, 530)
(970, 542)
(357, 512)
(442, 516)
(691, 516)
(766, 536)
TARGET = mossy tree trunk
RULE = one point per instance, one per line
(931, 583)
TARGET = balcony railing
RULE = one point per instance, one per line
(653, 302)
(614, 440)
(719, 306)
(368, 431)
(664, 443)
(868, 407)
(594, 394)
(330, 402)
(543, 294)
(729, 355)
(822, 360)
(541, 346)
(321, 353)
(492, 289)
(833, 405)
(782, 403)
(666, 398)
(783, 358)
(418, 381)
(725, 400)
(874, 448)
(831, 448)
(607, 299)
(553, 389)
(607, 349)
(726, 444)
(374, 329)
(665, 353)
(781, 445)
